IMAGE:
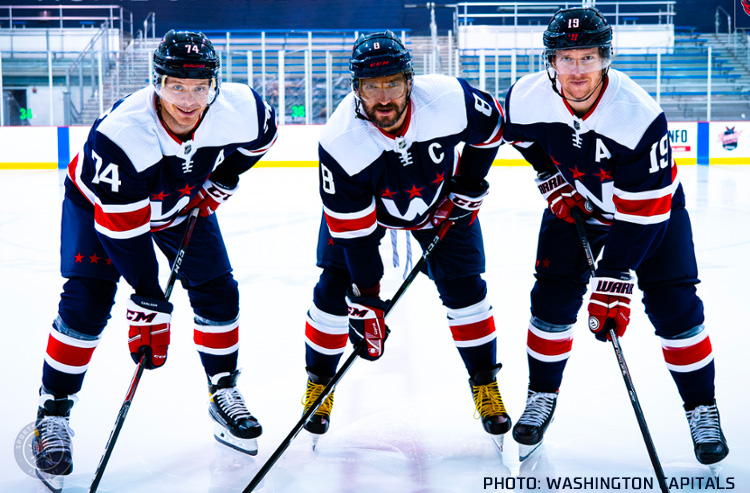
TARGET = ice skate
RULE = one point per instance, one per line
(52, 445)
(709, 443)
(489, 404)
(235, 426)
(319, 422)
(530, 428)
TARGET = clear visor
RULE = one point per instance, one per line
(382, 89)
(187, 93)
(580, 60)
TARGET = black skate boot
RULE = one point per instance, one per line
(489, 404)
(708, 440)
(52, 445)
(235, 426)
(320, 421)
(530, 428)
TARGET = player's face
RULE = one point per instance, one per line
(384, 100)
(579, 72)
(183, 102)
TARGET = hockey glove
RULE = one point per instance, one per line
(462, 202)
(609, 305)
(561, 196)
(367, 323)
(148, 337)
(210, 197)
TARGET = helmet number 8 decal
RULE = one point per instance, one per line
(192, 48)
(573, 23)
(376, 45)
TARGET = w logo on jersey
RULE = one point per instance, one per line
(417, 206)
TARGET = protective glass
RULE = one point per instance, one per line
(187, 92)
(381, 89)
(579, 61)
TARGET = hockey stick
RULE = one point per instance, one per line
(142, 363)
(624, 367)
(347, 364)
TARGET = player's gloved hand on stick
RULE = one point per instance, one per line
(561, 196)
(367, 321)
(462, 202)
(609, 305)
(148, 336)
(210, 197)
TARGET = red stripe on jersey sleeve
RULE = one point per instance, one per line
(683, 356)
(643, 208)
(339, 226)
(473, 331)
(217, 340)
(67, 354)
(548, 347)
(327, 341)
(122, 221)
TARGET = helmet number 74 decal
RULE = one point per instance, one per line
(191, 48)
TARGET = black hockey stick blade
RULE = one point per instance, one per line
(660, 477)
(174, 273)
(286, 442)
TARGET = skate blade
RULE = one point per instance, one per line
(54, 483)
(314, 439)
(245, 445)
(524, 451)
(498, 440)
(716, 469)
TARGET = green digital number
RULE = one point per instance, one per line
(298, 111)
(25, 113)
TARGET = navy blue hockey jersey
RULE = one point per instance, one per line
(138, 176)
(618, 156)
(369, 177)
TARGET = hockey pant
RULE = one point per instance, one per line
(667, 279)
(88, 296)
(455, 267)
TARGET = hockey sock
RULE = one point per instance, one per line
(326, 336)
(548, 348)
(690, 360)
(473, 330)
(67, 359)
(217, 344)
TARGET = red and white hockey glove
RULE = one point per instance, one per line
(210, 197)
(609, 305)
(561, 196)
(367, 323)
(462, 202)
(148, 336)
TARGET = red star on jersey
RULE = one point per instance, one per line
(414, 191)
(388, 194)
(330, 241)
(94, 259)
(79, 257)
(440, 177)
(186, 191)
(576, 174)
(554, 161)
(160, 196)
(603, 175)
(545, 263)
(108, 261)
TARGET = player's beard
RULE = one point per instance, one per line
(385, 122)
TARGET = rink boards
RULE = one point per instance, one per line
(45, 147)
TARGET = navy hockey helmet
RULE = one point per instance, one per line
(378, 55)
(187, 55)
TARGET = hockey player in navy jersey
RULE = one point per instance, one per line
(600, 146)
(177, 144)
(388, 160)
